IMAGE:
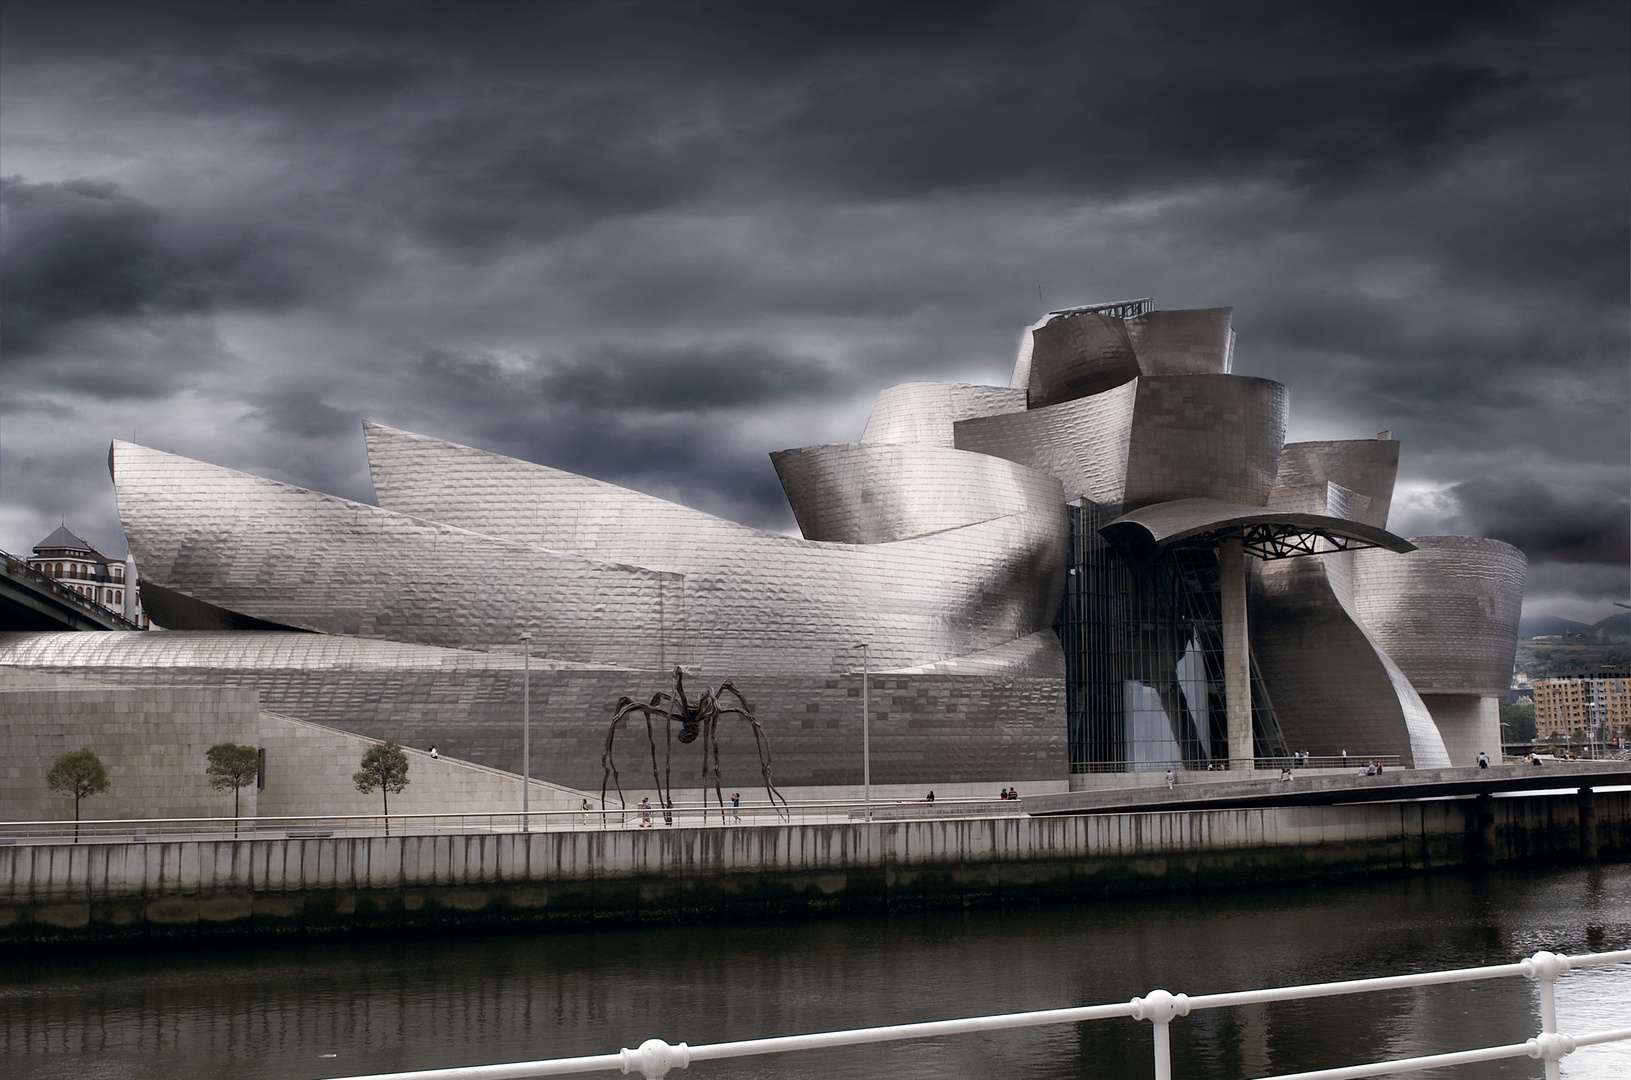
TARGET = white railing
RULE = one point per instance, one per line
(656, 1058)
(690, 815)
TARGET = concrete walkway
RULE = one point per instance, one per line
(1218, 792)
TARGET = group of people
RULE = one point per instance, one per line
(1009, 793)
(1374, 768)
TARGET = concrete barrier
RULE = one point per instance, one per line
(159, 891)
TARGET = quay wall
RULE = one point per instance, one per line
(266, 888)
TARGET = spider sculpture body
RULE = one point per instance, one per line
(699, 719)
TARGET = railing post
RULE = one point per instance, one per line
(1159, 1007)
(1546, 967)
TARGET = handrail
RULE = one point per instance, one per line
(19, 568)
(1355, 760)
(656, 1058)
(631, 816)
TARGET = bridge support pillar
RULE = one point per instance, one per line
(1586, 802)
(1482, 838)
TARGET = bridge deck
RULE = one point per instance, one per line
(1326, 789)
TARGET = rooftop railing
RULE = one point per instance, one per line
(655, 1058)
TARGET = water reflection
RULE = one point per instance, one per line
(276, 1013)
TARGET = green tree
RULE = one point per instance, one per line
(1519, 720)
(78, 774)
(385, 767)
(232, 767)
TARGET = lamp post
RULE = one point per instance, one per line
(526, 725)
(866, 728)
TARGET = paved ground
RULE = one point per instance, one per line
(1326, 789)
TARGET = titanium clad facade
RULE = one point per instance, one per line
(944, 539)
(855, 493)
(922, 413)
(1367, 467)
(1197, 341)
(767, 602)
(1083, 443)
(1333, 687)
(1076, 356)
(1447, 612)
(1204, 437)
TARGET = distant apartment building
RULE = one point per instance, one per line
(1583, 705)
(76, 565)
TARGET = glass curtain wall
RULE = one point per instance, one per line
(1143, 647)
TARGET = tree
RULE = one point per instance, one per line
(232, 767)
(385, 767)
(1520, 720)
(78, 774)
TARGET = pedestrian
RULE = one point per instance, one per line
(930, 797)
(583, 818)
(1370, 769)
(1344, 759)
(645, 813)
(1483, 760)
(1378, 766)
(736, 805)
(1285, 774)
(1170, 779)
(433, 754)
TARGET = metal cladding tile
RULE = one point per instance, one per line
(1332, 687)
(1447, 612)
(1366, 467)
(1204, 437)
(1078, 355)
(922, 413)
(1327, 499)
(1194, 341)
(878, 493)
(746, 596)
(1083, 443)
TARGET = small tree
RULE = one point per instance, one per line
(78, 774)
(385, 767)
(233, 767)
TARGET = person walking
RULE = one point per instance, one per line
(736, 805)
(1170, 779)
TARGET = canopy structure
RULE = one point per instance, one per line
(1264, 532)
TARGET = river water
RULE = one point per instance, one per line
(322, 1010)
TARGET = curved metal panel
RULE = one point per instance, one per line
(1206, 437)
(473, 577)
(922, 413)
(1145, 531)
(1194, 341)
(1366, 467)
(859, 494)
(1333, 687)
(1075, 356)
(1447, 612)
(1083, 442)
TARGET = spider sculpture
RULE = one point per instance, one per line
(693, 719)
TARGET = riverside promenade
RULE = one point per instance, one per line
(157, 890)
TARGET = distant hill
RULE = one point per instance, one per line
(1613, 628)
(1540, 625)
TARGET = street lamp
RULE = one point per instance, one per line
(866, 727)
(526, 724)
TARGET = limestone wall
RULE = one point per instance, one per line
(151, 739)
(309, 767)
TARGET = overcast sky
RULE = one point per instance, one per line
(653, 242)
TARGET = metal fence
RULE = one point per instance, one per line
(691, 816)
(1294, 762)
(655, 1058)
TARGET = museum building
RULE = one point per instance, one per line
(1114, 563)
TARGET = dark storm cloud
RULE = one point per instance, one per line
(651, 241)
(1547, 522)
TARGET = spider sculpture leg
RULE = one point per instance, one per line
(764, 753)
(608, 765)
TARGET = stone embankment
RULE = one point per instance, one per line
(268, 888)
